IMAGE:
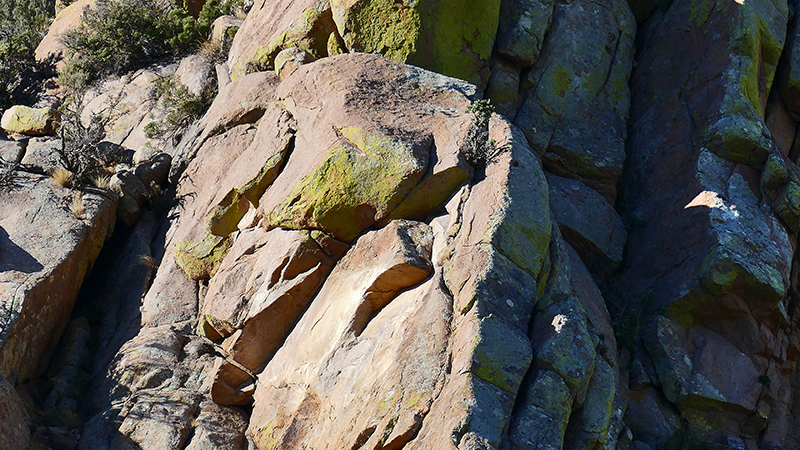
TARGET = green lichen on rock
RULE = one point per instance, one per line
(386, 27)
(214, 328)
(201, 260)
(446, 36)
(429, 194)
(28, 121)
(355, 186)
(225, 216)
(310, 33)
(501, 354)
(457, 38)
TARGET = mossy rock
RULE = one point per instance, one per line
(28, 121)
(201, 260)
(357, 185)
(446, 36)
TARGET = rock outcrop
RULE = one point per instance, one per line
(349, 250)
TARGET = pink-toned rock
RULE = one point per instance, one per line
(51, 49)
(45, 254)
(346, 322)
(273, 26)
(352, 166)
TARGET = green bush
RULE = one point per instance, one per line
(479, 150)
(23, 24)
(121, 35)
(182, 107)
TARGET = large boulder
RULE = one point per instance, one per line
(28, 121)
(363, 148)
(46, 251)
(706, 253)
(452, 38)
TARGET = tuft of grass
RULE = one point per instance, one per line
(62, 177)
(102, 181)
(147, 261)
(76, 205)
(212, 51)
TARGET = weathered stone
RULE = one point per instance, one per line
(50, 49)
(523, 24)
(28, 121)
(43, 152)
(271, 27)
(12, 151)
(224, 29)
(588, 222)
(154, 170)
(352, 167)
(218, 428)
(364, 286)
(493, 288)
(14, 428)
(543, 418)
(46, 254)
(132, 194)
(503, 87)
(196, 72)
(289, 59)
(589, 428)
(577, 72)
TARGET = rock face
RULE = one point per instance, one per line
(353, 252)
(46, 253)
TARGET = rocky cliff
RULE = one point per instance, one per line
(349, 250)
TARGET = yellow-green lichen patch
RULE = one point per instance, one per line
(308, 33)
(355, 186)
(201, 260)
(224, 218)
(382, 26)
(214, 328)
(457, 38)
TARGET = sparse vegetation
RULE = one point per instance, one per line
(8, 175)
(61, 177)
(121, 35)
(764, 380)
(101, 181)
(181, 106)
(23, 24)
(81, 153)
(76, 205)
(479, 150)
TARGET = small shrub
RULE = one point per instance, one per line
(8, 175)
(479, 150)
(121, 35)
(61, 177)
(182, 108)
(764, 379)
(23, 24)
